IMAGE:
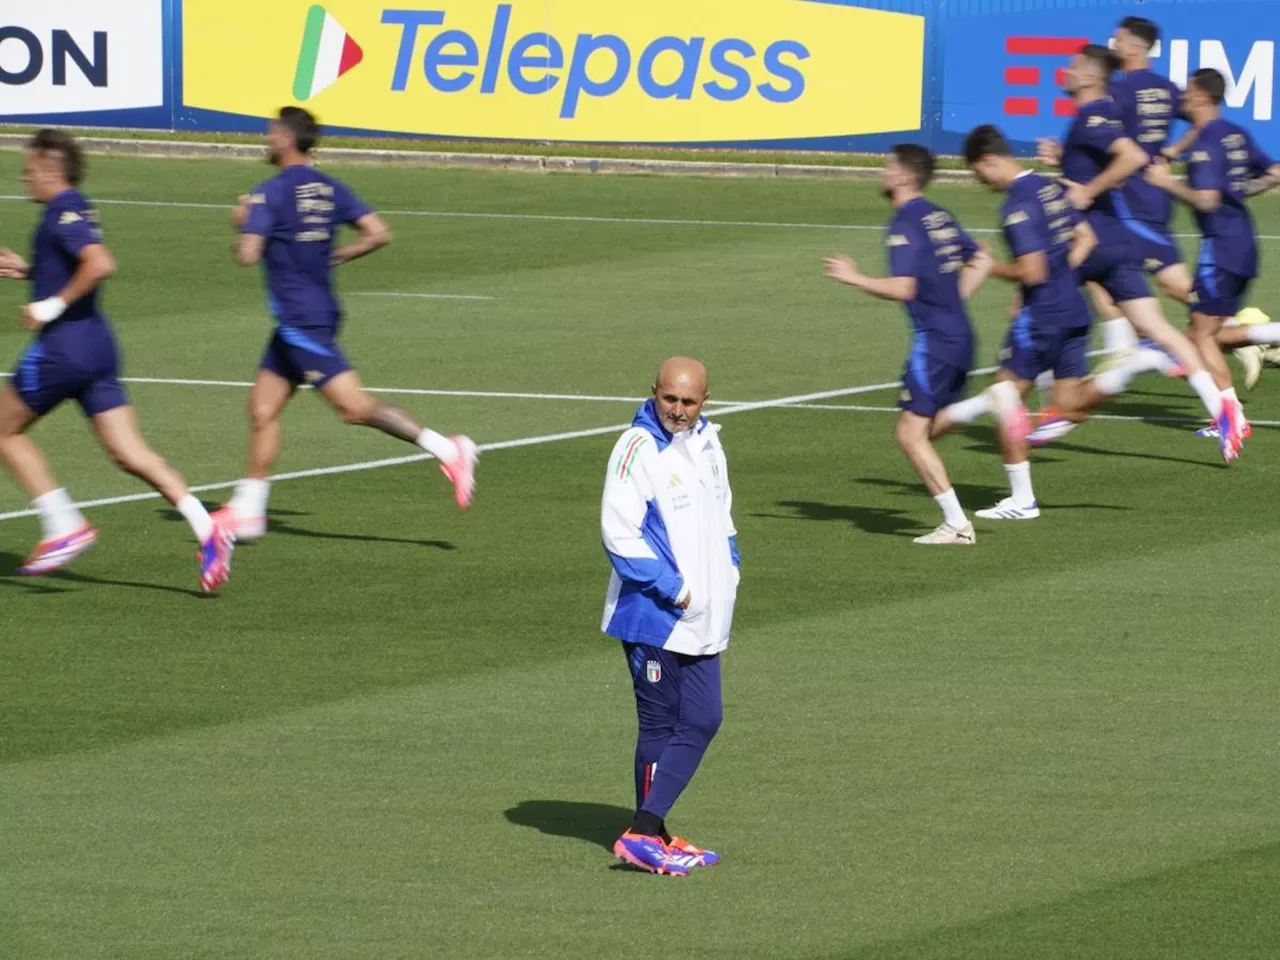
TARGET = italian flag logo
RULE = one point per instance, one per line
(327, 53)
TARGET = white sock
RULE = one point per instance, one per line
(1118, 334)
(58, 515)
(1265, 333)
(194, 513)
(250, 500)
(952, 512)
(1202, 383)
(1020, 483)
(1115, 380)
(1230, 394)
(966, 411)
(439, 446)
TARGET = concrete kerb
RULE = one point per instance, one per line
(186, 149)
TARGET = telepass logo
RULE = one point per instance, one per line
(327, 53)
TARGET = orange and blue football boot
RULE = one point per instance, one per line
(648, 853)
(51, 555)
(215, 558)
(692, 856)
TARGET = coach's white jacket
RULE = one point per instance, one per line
(668, 530)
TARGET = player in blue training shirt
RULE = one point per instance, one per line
(1149, 105)
(934, 268)
(1048, 241)
(1096, 159)
(1225, 167)
(74, 357)
(289, 224)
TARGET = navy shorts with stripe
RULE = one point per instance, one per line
(934, 378)
(43, 382)
(1118, 272)
(1216, 291)
(1153, 246)
(304, 356)
(1030, 351)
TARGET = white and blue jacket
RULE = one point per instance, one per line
(668, 530)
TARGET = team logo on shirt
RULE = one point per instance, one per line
(674, 482)
(69, 216)
(653, 671)
(1015, 218)
(898, 240)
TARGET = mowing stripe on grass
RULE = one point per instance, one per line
(484, 448)
(568, 218)
(415, 296)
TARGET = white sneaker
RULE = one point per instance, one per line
(1007, 509)
(946, 533)
(1251, 360)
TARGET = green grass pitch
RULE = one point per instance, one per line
(399, 733)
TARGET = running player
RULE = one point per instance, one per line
(288, 224)
(1048, 240)
(74, 357)
(1096, 160)
(1225, 167)
(934, 268)
(1149, 104)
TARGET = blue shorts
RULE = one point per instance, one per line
(1030, 351)
(43, 383)
(1216, 292)
(1153, 246)
(310, 356)
(1118, 273)
(930, 382)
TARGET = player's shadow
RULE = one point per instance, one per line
(1136, 455)
(885, 521)
(279, 524)
(598, 823)
(968, 493)
(9, 563)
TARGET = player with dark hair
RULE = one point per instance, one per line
(74, 357)
(1149, 104)
(289, 224)
(934, 268)
(1048, 241)
(1096, 160)
(1225, 167)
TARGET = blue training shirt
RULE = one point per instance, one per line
(81, 335)
(298, 211)
(1037, 217)
(1225, 157)
(1149, 105)
(926, 243)
(1086, 153)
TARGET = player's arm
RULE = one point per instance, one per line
(976, 269)
(249, 248)
(1049, 152)
(844, 270)
(1268, 181)
(622, 515)
(1175, 150)
(374, 235)
(1083, 242)
(1201, 191)
(254, 219)
(1029, 270)
(76, 233)
(1127, 158)
(728, 512)
(12, 266)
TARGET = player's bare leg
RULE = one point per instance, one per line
(1118, 335)
(121, 436)
(246, 512)
(1232, 427)
(65, 532)
(457, 455)
(1247, 347)
(913, 438)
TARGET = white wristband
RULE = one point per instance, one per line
(47, 311)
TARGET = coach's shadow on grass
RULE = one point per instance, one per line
(9, 563)
(277, 524)
(598, 823)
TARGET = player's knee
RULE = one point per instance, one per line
(358, 412)
(129, 460)
(706, 723)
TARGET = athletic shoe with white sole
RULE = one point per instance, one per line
(53, 554)
(1251, 361)
(946, 533)
(1008, 509)
(461, 470)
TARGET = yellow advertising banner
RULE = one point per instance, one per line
(652, 71)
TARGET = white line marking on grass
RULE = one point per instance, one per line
(484, 448)
(567, 218)
(415, 296)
